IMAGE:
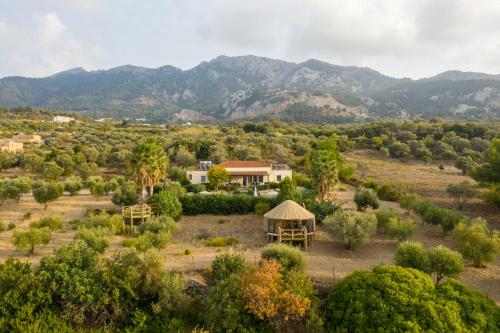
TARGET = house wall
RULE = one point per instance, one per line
(273, 177)
(11, 146)
(195, 176)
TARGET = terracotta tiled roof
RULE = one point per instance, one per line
(248, 173)
(245, 164)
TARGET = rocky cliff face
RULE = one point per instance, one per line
(246, 87)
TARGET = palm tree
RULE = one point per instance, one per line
(149, 164)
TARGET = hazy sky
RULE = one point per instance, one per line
(402, 38)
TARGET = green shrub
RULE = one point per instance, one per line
(29, 239)
(412, 255)
(155, 233)
(166, 203)
(289, 257)
(2, 226)
(11, 226)
(400, 229)
(51, 222)
(321, 209)
(409, 201)
(389, 192)
(221, 241)
(186, 252)
(406, 300)
(126, 194)
(365, 197)
(351, 228)
(492, 196)
(73, 185)
(96, 238)
(225, 265)
(27, 216)
(262, 207)
(220, 204)
(113, 223)
(383, 218)
(476, 242)
(444, 262)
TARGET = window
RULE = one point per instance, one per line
(190, 177)
(278, 178)
(203, 179)
(261, 179)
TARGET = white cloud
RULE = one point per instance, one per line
(43, 47)
(397, 37)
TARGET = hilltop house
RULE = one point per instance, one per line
(244, 173)
(10, 146)
(63, 119)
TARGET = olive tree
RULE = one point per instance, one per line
(353, 228)
(29, 239)
(44, 192)
(365, 197)
(476, 242)
(462, 192)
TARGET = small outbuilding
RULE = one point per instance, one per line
(289, 221)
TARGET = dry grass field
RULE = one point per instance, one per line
(427, 180)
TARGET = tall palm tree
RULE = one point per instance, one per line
(149, 164)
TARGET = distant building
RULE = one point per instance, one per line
(245, 173)
(11, 146)
(27, 138)
(63, 119)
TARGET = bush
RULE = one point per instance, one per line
(44, 193)
(96, 239)
(51, 222)
(113, 223)
(352, 228)
(492, 196)
(166, 203)
(321, 209)
(221, 241)
(30, 238)
(73, 185)
(126, 194)
(476, 242)
(412, 255)
(196, 188)
(409, 201)
(2, 226)
(400, 229)
(262, 207)
(440, 261)
(444, 262)
(383, 218)
(220, 204)
(289, 257)
(226, 311)
(405, 300)
(388, 192)
(365, 197)
(155, 233)
(225, 265)
(11, 226)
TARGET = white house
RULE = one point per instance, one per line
(244, 173)
(63, 119)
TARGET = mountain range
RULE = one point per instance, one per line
(251, 87)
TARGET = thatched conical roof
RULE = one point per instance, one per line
(289, 210)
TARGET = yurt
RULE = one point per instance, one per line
(289, 221)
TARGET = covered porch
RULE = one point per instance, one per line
(248, 178)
